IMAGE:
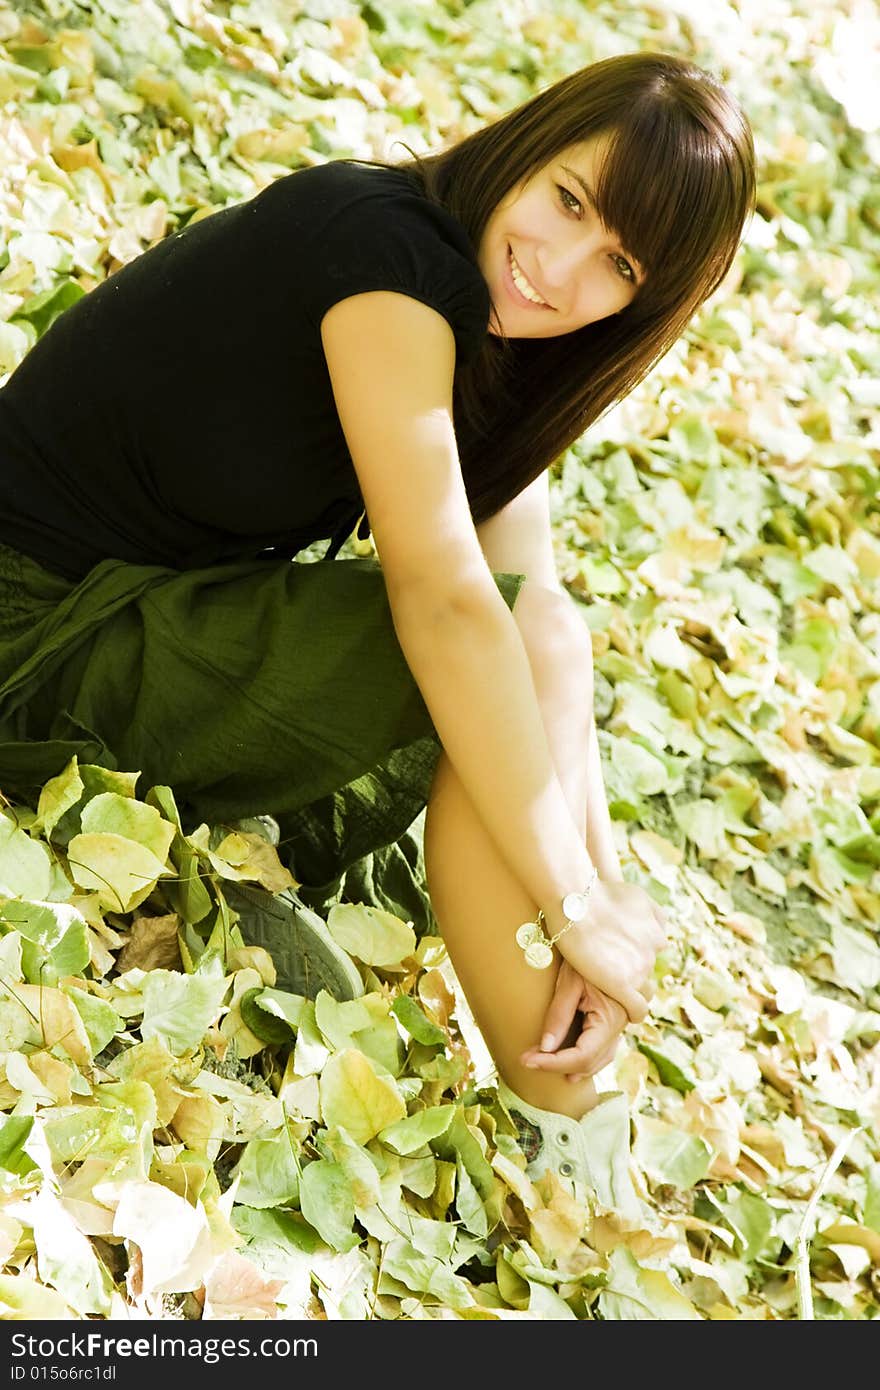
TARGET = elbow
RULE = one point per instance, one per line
(431, 607)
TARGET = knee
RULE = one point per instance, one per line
(557, 641)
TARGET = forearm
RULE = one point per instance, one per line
(600, 835)
(469, 661)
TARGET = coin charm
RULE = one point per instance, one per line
(574, 905)
(528, 932)
(539, 955)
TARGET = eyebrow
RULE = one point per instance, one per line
(591, 199)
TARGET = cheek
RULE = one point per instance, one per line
(600, 298)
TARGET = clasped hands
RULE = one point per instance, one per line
(603, 982)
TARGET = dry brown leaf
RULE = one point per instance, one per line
(152, 944)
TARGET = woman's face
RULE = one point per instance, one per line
(571, 262)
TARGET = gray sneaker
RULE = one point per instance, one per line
(304, 953)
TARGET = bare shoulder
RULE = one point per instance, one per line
(391, 361)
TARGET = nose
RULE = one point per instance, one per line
(561, 264)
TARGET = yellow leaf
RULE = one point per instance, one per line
(58, 1021)
(848, 1233)
(355, 1096)
(200, 1121)
(54, 1074)
(557, 1227)
(122, 872)
(371, 935)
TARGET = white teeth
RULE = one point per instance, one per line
(523, 285)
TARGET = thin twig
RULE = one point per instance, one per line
(805, 1232)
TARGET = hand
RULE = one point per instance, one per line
(616, 945)
(585, 1018)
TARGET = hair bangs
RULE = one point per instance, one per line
(664, 189)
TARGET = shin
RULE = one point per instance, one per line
(476, 900)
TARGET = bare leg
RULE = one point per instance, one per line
(477, 901)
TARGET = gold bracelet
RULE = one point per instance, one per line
(536, 946)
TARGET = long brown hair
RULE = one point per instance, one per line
(676, 185)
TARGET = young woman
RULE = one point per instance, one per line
(410, 347)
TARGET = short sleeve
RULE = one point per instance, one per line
(369, 228)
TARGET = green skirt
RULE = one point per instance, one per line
(261, 687)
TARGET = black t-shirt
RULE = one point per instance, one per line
(181, 413)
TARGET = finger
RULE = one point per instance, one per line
(575, 1059)
(595, 1067)
(635, 1004)
(562, 1009)
(593, 1042)
(648, 990)
(604, 1006)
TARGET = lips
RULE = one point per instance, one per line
(520, 298)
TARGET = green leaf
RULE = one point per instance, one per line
(14, 1130)
(24, 1300)
(327, 1203)
(546, 1304)
(606, 1140)
(57, 939)
(751, 1218)
(668, 1072)
(268, 1172)
(469, 1204)
(112, 814)
(364, 1024)
(601, 577)
(163, 800)
(181, 1008)
(634, 772)
(25, 865)
(283, 1229)
(358, 1164)
(671, 1155)
(406, 1136)
(280, 1004)
(702, 821)
(416, 1022)
(66, 1259)
(100, 1019)
(634, 1294)
(694, 439)
(57, 797)
(186, 892)
(43, 309)
(856, 958)
(871, 1215)
(459, 1142)
(265, 1024)
(310, 1052)
(424, 1275)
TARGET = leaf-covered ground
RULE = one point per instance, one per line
(184, 1137)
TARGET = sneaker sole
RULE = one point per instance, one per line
(306, 957)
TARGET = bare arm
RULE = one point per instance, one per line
(519, 539)
(458, 636)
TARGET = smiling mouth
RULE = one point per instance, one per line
(517, 273)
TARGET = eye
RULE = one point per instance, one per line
(563, 194)
(623, 268)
